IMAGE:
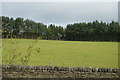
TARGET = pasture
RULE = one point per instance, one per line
(62, 53)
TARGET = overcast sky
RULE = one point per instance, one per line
(62, 13)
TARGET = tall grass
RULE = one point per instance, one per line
(15, 57)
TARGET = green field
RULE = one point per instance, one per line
(63, 53)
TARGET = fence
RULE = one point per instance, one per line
(16, 71)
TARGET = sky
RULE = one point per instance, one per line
(62, 13)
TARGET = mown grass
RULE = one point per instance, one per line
(63, 53)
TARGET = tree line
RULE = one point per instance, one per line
(28, 29)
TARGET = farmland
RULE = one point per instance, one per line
(62, 53)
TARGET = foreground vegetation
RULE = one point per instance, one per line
(60, 53)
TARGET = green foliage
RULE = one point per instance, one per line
(92, 31)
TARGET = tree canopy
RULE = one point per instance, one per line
(29, 29)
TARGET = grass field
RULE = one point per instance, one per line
(63, 53)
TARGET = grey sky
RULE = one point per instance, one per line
(62, 13)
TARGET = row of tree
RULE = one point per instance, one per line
(28, 29)
(20, 28)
